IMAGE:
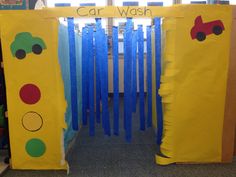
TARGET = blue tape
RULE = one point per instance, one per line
(74, 104)
(115, 79)
(91, 81)
(62, 4)
(134, 72)
(141, 77)
(84, 74)
(97, 62)
(157, 23)
(128, 3)
(127, 78)
(149, 76)
(87, 4)
(155, 3)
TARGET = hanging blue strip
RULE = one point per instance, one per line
(149, 76)
(141, 76)
(127, 78)
(157, 23)
(74, 106)
(84, 74)
(87, 75)
(91, 81)
(97, 61)
(108, 127)
(134, 72)
(104, 84)
(115, 79)
(100, 55)
(125, 69)
(87, 71)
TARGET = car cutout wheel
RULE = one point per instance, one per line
(201, 36)
(37, 49)
(20, 54)
(217, 30)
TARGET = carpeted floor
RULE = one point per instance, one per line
(102, 156)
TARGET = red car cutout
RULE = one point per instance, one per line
(200, 30)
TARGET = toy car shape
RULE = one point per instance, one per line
(25, 43)
(200, 30)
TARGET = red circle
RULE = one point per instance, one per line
(30, 94)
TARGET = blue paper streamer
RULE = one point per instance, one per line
(97, 62)
(87, 71)
(115, 79)
(84, 74)
(104, 84)
(63, 55)
(134, 71)
(108, 127)
(149, 76)
(124, 81)
(100, 55)
(157, 23)
(74, 105)
(87, 76)
(141, 77)
(78, 53)
(127, 78)
(91, 81)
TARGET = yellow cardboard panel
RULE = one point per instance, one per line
(193, 118)
(45, 150)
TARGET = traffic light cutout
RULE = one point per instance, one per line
(32, 121)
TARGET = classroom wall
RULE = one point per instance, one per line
(121, 74)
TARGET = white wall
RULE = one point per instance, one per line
(121, 75)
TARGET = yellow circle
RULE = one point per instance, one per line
(32, 121)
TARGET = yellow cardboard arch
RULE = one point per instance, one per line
(193, 89)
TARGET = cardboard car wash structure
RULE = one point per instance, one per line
(196, 72)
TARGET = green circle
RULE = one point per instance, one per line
(35, 147)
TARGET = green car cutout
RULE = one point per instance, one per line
(25, 43)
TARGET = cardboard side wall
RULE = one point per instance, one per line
(228, 136)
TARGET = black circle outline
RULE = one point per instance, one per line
(28, 129)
